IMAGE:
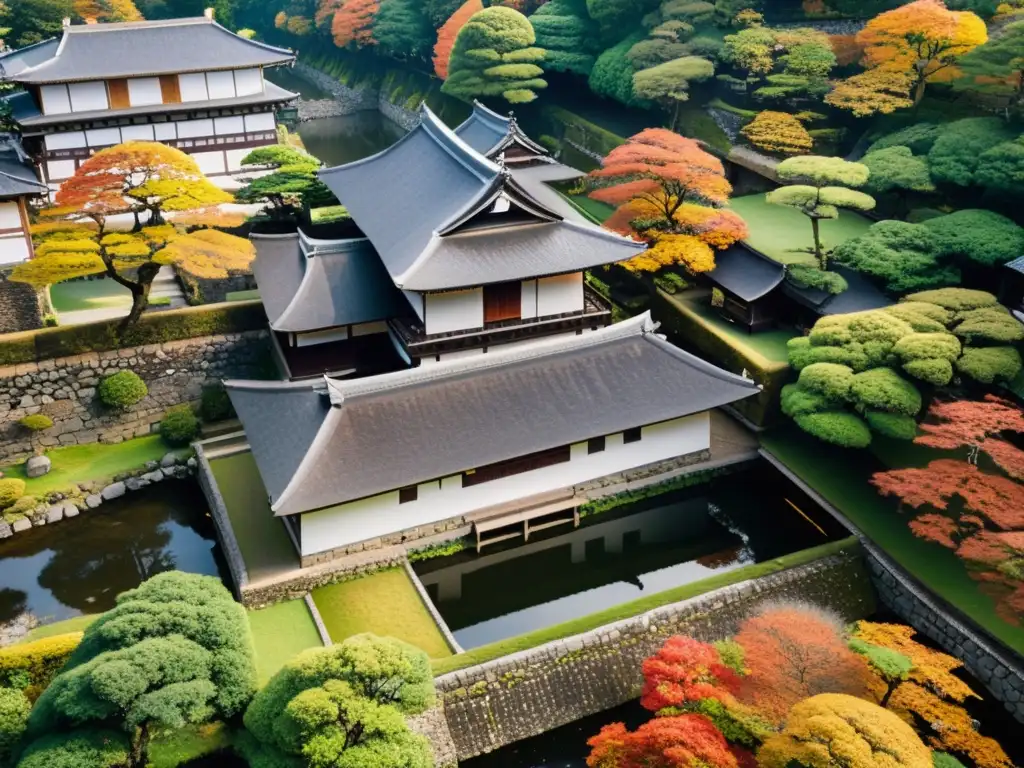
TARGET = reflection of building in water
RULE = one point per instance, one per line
(678, 522)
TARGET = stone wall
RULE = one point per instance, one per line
(205, 290)
(348, 100)
(19, 306)
(998, 671)
(65, 389)
(527, 693)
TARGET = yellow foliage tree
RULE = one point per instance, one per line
(833, 729)
(778, 132)
(106, 11)
(904, 50)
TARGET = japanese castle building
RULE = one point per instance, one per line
(508, 389)
(189, 83)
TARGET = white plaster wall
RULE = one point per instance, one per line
(103, 137)
(193, 87)
(248, 82)
(55, 99)
(381, 515)
(10, 218)
(144, 91)
(224, 126)
(137, 133)
(57, 170)
(320, 337)
(210, 162)
(235, 157)
(528, 305)
(13, 249)
(165, 131)
(455, 310)
(87, 97)
(220, 85)
(65, 140)
(263, 121)
(368, 329)
(190, 128)
(563, 293)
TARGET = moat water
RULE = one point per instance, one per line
(656, 544)
(79, 566)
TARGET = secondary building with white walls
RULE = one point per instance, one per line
(18, 184)
(189, 83)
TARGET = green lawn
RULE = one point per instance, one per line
(776, 230)
(841, 476)
(594, 209)
(77, 624)
(172, 748)
(385, 603)
(94, 462)
(766, 348)
(266, 547)
(242, 295)
(280, 632)
(89, 294)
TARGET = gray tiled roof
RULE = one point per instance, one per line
(483, 129)
(309, 285)
(1017, 265)
(13, 62)
(412, 199)
(860, 295)
(17, 177)
(134, 49)
(272, 94)
(746, 273)
(398, 429)
(535, 180)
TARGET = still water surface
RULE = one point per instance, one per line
(79, 566)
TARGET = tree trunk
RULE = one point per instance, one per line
(919, 93)
(675, 117)
(891, 687)
(140, 747)
(822, 260)
(156, 216)
(140, 292)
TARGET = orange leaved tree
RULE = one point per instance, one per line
(682, 741)
(685, 671)
(670, 192)
(448, 32)
(904, 50)
(792, 651)
(351, 21)
(105, 11)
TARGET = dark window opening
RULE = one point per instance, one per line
(516, 466)
(407, 494)
(595, 444)
(631, 435)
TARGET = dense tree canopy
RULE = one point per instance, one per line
(686, 671)
(448, 32)
(669, 83)
(402, 29)
(612, 75)
(106, 11)
(778, 132)
(495, 55)
(291, 184)
(568, 36)
(679, 741)
(32, 21)
(997, 67)
(896, 170)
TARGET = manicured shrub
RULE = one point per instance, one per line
(36, 663)
(215, 404)
(36, 422)
(14, 708)
(895, 425)
(919, 138)
(179, 425)
(955, 155)
(802, 353)
(922, 346)
(810, 276)
(983, 237)
(11, 489)
(883, 389)
(921, 215)
(798, 401)
(922, 316)
(989, 325)
(955, 299)
(934, 371)
(989, 364)
(122, 390)
(837, 427)
(830, 380)
(78, 749)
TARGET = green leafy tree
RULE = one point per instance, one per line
(918, 138)
(891, 666)
(897, 171)
(402, 29)
(612, 75)
(344, 706)
(567, 34)
(291, 185)
(956, 155)
(614, 15)
(821, 187)
(439, 11)
(32, 21)
(997, 67)
(84, 748)
(978, 236)
(656, 50)
(14, 709)
(1001, 169)
(669, 83)
(495, 55)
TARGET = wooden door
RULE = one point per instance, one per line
(503, 301)
(169, 89)
(118, 90)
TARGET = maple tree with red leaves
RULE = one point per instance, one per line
(449, 31)
(682, 741)
(686, 671)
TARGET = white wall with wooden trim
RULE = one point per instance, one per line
(439, 500)
(454, 311)
(15, 243)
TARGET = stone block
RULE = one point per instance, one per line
(37, 466)
(70, 510)
(93, 500)
(21, 524)
(55, 513)
(136, 483)
(167, 471)
(169, 459)
(5, 530)
(113, 491)
(154, 477)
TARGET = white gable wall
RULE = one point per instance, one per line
(221, 85)
(144, 91)
(248, 82)
(439, 500)
(556, 295)
(88, 97)
(528, 305)
(454, 311)
(193, 87)
(55, 99)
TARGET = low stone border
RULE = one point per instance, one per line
(62, 507)
(325, 637)
(453, 644)
(432, 725)
(222, 525)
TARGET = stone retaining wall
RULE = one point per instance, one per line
(65, 389)
(348, 101)
(528, 693)
(19, 306)
(999, 672)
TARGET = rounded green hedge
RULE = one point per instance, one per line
(934, 371)
(36, 422)
(122, 390)
(883, 389)
(836, 427)
(989, 364)
(830, 380)
(215, 404)
(11, 489)
(179, 425)
(798, 401)
(894, 425)
(14, 708)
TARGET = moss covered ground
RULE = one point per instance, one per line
(172, 748)
(77, 624)
(385, 603)
(88, 294)
(281, 632)
(266, 548)
(777, 231)
(841, 477)
(95, 462)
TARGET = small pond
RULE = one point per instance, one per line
(79, 566)
(622, 555)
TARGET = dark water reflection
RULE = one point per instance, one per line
(79, 566)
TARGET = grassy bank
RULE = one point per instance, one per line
(637, 607)
(281, 632)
